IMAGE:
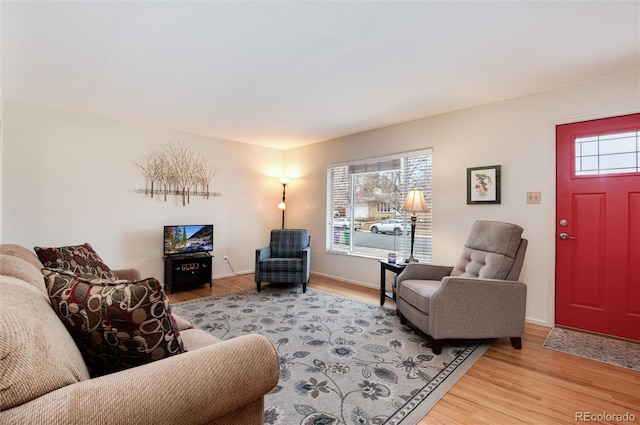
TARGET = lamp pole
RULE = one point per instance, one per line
(284, 188)
(282, 205)
(414, 218)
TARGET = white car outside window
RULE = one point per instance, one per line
(390, 225)
(341, 222)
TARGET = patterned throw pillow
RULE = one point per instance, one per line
(115, 324)
(81, 260)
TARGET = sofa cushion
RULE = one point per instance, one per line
(116, 324)
(23, 270)
(37, 354)
(21, 252)
(79, 259)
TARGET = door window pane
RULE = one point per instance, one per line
(608, 154)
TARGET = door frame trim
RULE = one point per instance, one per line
(551, 243)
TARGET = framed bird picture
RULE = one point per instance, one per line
(483, 185)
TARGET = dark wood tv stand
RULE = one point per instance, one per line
(183, 270)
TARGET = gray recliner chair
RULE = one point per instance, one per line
(287, 259)
(480, 297)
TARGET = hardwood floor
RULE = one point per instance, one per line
(505, 386)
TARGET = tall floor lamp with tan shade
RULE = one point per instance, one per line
(414, 203)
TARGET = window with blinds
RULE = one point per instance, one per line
(364, 201)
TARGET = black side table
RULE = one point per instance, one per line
(397, 269)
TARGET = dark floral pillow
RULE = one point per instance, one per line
(81, 260)
(115, 324)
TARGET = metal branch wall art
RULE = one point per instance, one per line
(177, 170)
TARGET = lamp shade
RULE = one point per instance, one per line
(415, 201)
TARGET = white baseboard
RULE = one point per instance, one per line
(342, 279)
(538, 322)
(221, 276)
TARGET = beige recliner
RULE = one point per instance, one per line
(480, 297)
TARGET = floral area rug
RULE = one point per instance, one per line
(606, 350)
(342, 361)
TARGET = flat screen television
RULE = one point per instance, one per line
(188, 239)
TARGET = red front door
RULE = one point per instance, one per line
(598, 226)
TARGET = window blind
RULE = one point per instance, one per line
(368, 192)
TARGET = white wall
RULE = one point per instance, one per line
(1, 153)
(70, 178)
(1, 122)
(517, 134)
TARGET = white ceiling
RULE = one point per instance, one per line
(288, 73)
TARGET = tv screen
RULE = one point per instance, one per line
(188, 239)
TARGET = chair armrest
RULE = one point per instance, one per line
(195, 387)
(132, 275)
(306, 260)
(263, 253)
(466, 307)
(306, 253)
(423, 271)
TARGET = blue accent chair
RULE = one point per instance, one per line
(287, 259)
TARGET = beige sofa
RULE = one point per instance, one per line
(44, 380)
